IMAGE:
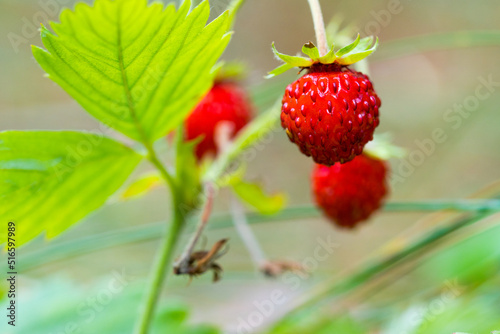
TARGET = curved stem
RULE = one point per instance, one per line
(164, 173)
(319, 26)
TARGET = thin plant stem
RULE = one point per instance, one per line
(164, 257)
(165, 253)
(319, 26)
(246, 234)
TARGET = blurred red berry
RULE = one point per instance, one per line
(349, 193)
(225, 102)
(330, 113)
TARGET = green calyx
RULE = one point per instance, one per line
(350, 54)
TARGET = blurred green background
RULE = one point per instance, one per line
(416, 89)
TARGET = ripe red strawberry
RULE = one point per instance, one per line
(332, 111)
(225, 102)
(349, 193)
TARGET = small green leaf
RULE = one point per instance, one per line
(254, 195)
(329, 58)
(364, 44)
(348, 48)
(295, 61)
(139, 68)
(51, 180)
(279, 70)
(142, 185)
(356, 56)
(381, 147)
(311, 50)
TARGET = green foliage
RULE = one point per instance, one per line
(109, 306)
(142, 185)
(253, 195)
(382, 147)
(51, 180)
(138, 68)
(319, 325)
(470, 314)
(349, 54)
(471, 261)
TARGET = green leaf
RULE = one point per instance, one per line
(472, 261)
(51, 180)
(295, 61)
(329, 58)
(142, 185)
(279, 70)
(348, 48)
(475, 314)
(382, 147)
(107, 306)
(364, 44)
(311, 50)
(138, 68)
(254, 195)
(319, 324)
(355, 56)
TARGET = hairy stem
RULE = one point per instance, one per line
(319, 27)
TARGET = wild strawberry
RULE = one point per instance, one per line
(349, 193)
(332, 111)
(225, 102)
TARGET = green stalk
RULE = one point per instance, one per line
(165, 253)
(164, 258)
(319, 26)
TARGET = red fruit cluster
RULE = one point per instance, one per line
(225, 102)
(349, 193)
(330, 113)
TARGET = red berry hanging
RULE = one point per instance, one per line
(332, 111)
(349, 193)
(225, 102)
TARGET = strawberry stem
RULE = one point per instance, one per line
(319, 26)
